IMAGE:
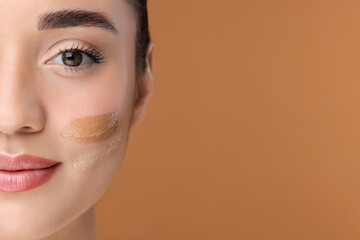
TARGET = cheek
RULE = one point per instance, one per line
(97, 129)
(91, 160)
(88, 166)
(102, 130)
(94, 159)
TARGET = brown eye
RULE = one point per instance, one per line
(72, 58)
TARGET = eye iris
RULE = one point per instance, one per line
(72, 58)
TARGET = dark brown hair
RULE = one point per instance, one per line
(142, 34)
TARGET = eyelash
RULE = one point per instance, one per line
(96, 56)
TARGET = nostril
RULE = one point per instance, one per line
(26, 129)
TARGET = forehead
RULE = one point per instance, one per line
(20, 16)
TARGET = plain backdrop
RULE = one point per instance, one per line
(253, 130)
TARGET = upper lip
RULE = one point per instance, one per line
(24, 162)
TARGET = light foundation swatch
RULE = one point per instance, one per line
(88, 160)
(91, 129)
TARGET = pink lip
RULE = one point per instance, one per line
(25, 172)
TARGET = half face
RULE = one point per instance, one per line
(66, 94)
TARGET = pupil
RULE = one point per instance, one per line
(72, 58)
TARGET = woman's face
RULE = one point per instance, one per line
(66, 94)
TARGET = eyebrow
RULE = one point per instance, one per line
(73, 18)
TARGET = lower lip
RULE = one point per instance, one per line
(24, 180)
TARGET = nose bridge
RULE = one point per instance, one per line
(20, 110)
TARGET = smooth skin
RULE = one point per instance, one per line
(38, 98)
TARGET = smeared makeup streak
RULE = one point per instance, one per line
(91, 129)
(88, 160)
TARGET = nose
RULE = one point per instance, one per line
(20, 108)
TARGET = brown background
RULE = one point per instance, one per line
(253, 131)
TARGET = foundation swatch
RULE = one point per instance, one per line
(88, 160)
(91, 129)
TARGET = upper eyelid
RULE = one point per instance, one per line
(75, 42)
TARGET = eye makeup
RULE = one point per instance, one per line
(91, 129)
